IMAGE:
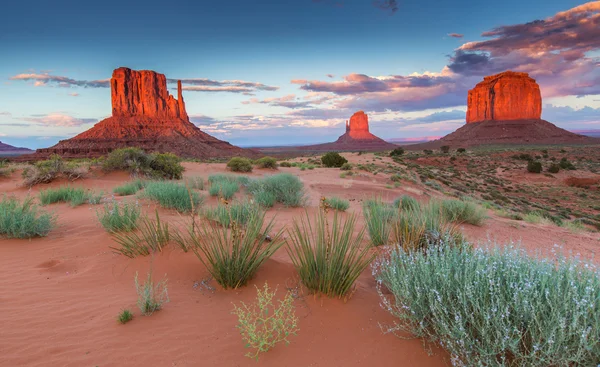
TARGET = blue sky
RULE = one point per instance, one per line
(409, 69)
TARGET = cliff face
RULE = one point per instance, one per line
(503, 97)
(145, 115)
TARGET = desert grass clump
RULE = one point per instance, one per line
(496, 306)
(151, 296)
(264, 324)
(152, 237)
(535, 217)
(233, 255)
(224, 189)
(285, 164)
(117, 217)
(461, 211)
(125, 316)
(379, 217)
(239, 164)
(419, 227)
(21, 219)
(75, 196)
(285, 188)
(338, 204)
(329, 257)
(195, 182)
(51, 169)
(266, 162)
(406, 202)
(172, 195)
(238, 212)
(129, 188)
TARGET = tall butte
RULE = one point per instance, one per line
(356, 137)
(506, 108)
(145, 115)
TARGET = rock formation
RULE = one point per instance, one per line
(144, 115)
(505, 96)
(506, 108)
(356, 138)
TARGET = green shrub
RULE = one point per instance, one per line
(285, 188)
(152, 237)
(129, 188)
(64, 194)
(239, 212)
(333, 159)
(266, 162)
(565, 164)
(166, 165)
(496, 307)
(115, 217)
(535, 217)
(346, 167)
(172, 195)
(379, 218)
(461, 150)
(53, 168)
(285, 164)
(23, 220)
(406, 202)
(462, 211)
(337, 203)
(151, 297)
(233, 256)
(445, 149)
(264, 324)
(224, 189)
(554, 168)
(329, 257)
(138, 162)
(428, 151)
(125, 317)
(239, 164)
(534, 167)
(266, 199)
(397, 152)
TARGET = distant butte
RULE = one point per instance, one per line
(506, 108)
(144, 115)
(356, 138)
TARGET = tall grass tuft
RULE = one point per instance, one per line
(65, 194)
(172, 195)
(406, 202)
(224, 189)
(379, 218)
(129, 188)
(462, 211)
(151, 296)
(233, 255)
(23, 220)
(495, 307)
(338, 204)
(284, 188)
(153, 236)
(328, 256)
(417, 228)
(195, 182)
(238, 212)
(116, 218)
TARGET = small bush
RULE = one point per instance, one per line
(138, 162)
(266, 199)
(285, 188)
(329, 257)
(536, 218)
(565, 164)
(285, 164)
(239, 164)
(397, 152)
(406, 202)
(333, 159)
(224, 189)
(416, 228)
(152, 237)
(53, 168)
(338, 204)
(534, 167)
(554, 168)
(428, 151)
(462, 212)
(264, 324)
(115, 217)
(23, 220)
(496, 307)
(233, 256)
(461, 150)
(346, 167)
(266, 162)
(125, 317)
(129, 188)
(240, 213)
(445, 149)
(195, 183)
(166, 165)
(151, 297)
(172, 195)
(64, 194)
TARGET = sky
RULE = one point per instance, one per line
(260, 73)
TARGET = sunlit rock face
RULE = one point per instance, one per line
(504, 97)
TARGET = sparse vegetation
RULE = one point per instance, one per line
(129, 188)
(49, 170)
(460, 211)
(338, 204)
(117, 217)
(379, 218)
(151, 296)
(172, 195)
(554, 168)
(282, 188)
(263, 324)
(266, 162)
(285, 164)
(226, 214)
(153, 236)
(406, 202)
(445, 149)
(224, 189)
(397, 152)
(195, 182)
(496, 307)
(125, 316)
(22, 219)
(333, 159)
(65, 194)
(346, 167)
(239, 164)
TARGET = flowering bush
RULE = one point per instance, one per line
(495, 307)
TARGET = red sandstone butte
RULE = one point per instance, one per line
(504, 97)
(356, 138)
(144, 115)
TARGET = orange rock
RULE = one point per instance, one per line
(503, 97)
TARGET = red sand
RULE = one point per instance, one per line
(61, 294)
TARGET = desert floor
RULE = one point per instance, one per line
(60, 295)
